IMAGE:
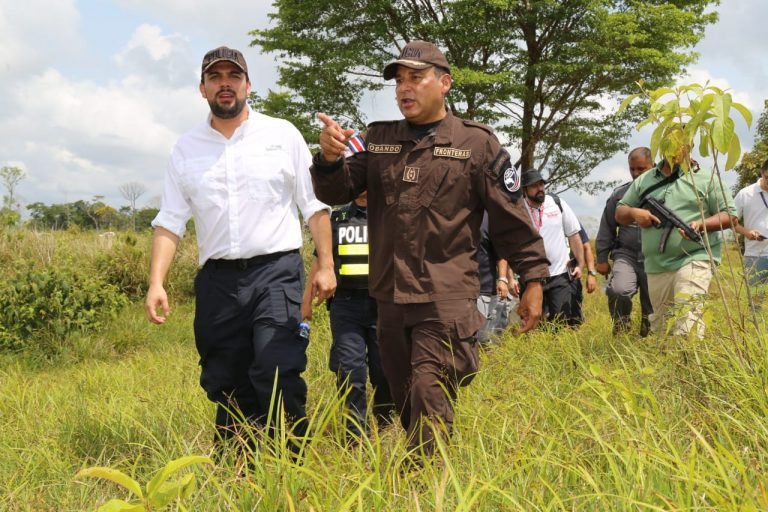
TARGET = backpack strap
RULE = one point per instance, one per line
(556, 198)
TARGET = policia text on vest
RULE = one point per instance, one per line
(351, 256)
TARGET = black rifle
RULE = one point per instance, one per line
(669, 221)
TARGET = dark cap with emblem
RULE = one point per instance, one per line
(530, 177)
(417, 55)
(222, 53)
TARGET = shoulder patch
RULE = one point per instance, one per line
(506, 175)
(511, 179)
(500, 164)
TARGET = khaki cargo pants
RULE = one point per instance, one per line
(679, 296)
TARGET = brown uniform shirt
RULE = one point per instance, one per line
(425, 204)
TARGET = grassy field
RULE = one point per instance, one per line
(572, 420)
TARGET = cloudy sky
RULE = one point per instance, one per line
(94, 92)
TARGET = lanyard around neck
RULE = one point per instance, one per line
(536, 222)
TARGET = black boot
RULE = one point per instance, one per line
(645, 327)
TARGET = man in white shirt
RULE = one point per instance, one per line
(559, 228)
(243, 177)
(752, 208)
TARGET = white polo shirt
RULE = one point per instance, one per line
(244, 192)
(554, 227)
(752, 206)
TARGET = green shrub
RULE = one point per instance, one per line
(181, 276)
(126, 265)
(38, 306)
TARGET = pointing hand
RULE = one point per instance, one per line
(333, 138)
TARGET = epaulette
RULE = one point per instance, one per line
(377, 123)
(475, 124)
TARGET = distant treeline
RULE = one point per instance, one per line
(88, 215)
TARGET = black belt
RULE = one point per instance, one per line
(245, 263)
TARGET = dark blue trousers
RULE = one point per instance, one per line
(355, 357)
(562, 300)
(246, 332)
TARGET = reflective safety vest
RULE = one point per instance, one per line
(350, 249)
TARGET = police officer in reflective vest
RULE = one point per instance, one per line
(355, 349)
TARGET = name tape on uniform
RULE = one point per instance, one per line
(384, 148)
(461, 154)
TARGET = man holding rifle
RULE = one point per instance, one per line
(622, 244)
(668, 204)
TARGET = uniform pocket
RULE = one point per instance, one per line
(447, 190)
(465, 356)
(286, 306)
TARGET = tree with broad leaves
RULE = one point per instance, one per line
(546, 74)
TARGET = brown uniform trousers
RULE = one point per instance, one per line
(428, 351)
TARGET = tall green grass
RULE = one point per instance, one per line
(556, 420)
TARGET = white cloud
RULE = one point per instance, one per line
(734, 43)
(166, 58)
(24, 26)
(78, 138)
(212, 23)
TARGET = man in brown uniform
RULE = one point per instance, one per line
(429, 177)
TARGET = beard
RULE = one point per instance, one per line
(538, 198)
(229, 112)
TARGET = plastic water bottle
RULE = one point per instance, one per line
(304, 330)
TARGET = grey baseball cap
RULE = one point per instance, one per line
(417, 55)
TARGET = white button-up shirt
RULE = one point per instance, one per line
(752, 206)
(243, 192)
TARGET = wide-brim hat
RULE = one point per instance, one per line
(530, 177)
(417, 55)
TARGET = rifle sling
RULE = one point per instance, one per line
(666, 181)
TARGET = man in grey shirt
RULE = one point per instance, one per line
(622, 244)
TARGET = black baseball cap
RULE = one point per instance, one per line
(417, 55)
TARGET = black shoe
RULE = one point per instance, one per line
(645, 327)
